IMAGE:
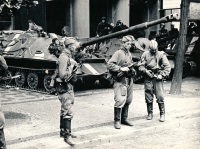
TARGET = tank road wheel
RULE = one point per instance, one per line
(8, 73)
(21, 80)
(32, 80)
(46, 82)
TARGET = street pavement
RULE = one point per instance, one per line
(32, 119)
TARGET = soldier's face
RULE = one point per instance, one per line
(57, 42)
(153, 51)
(128, 45)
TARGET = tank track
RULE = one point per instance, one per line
(39, 72)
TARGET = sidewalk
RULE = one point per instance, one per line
(93, 122)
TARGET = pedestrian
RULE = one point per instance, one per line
(120, 63)
(192, 29)
(3, 68)
(163, 32)
(65, 89)
(66, 31)
(155, 67)
(35, 28)
(173, 30)
(119, 26)
(103, 27)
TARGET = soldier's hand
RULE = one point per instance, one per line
(125, 69)
(159, 77)
(73, 62)
(149, 73)
(133, 71)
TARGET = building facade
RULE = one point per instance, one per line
(83, 16)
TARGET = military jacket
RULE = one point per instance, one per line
(121, 58)
(157, 62)
(3, 64)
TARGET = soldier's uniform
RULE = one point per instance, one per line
(3, 68)
(65, 92)
(123, 86)
(156, 64)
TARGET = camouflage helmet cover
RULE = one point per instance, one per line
(153, 45)
(128, 38)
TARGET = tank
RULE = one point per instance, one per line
(191, 61)
(27, 55)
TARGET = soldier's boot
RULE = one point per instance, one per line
(124, 116)
(67, 127)
(150, 111)
(162, 112)
(2, 140)
(62, 131)
(117, 119)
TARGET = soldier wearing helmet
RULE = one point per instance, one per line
(121, 63)
(3, 69)
(155, 67)
(55, 47)
(65, 89)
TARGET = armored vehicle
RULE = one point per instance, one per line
(191, 59)
(27, 55)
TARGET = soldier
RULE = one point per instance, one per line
(55, 47)
(120, 63)
(3, 68)
(155, 67)
(65, 89)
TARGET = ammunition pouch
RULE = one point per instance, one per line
(61, 87)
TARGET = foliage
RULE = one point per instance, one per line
(8, 7)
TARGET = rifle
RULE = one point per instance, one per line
(121, 73)
(73, 74)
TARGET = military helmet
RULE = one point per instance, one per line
(153, 45)
(69, 41)
(128, 38)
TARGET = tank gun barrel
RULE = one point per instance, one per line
(169, 18)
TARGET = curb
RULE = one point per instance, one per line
(105, 134)
(134, 134)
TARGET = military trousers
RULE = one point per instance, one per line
(2, 120)
(67, 103)
(123, 92)
(153, 87)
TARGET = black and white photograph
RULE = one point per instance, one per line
(99, 74)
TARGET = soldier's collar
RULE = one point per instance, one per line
(124, 49)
